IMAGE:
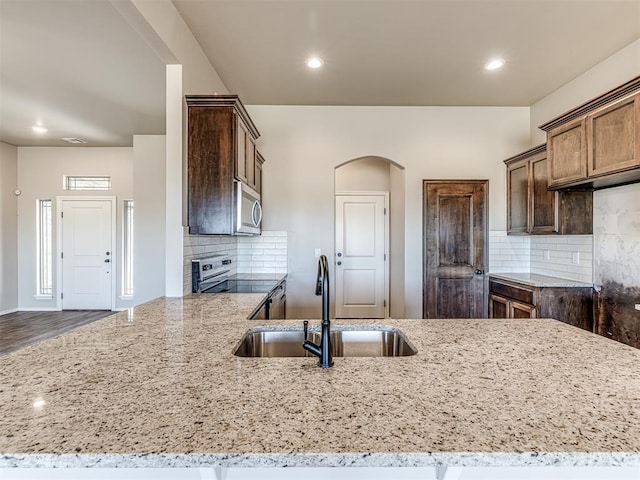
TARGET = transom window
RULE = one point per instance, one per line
(87, 182)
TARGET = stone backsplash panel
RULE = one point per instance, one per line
(616, 231)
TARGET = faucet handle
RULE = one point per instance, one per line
(305, 326)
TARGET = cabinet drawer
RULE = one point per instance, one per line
(522, 294)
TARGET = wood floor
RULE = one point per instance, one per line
(20, 329)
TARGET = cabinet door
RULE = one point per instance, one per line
(261, 314)
(613, 134)
(498, 307)
(543, 201)
(575, 212)
(567, 153)
(521, 310)
(259, 162)
(517, 192)
(241, 150)
(250, 162)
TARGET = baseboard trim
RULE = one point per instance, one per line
(38, 309)
(11, 310)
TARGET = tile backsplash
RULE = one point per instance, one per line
(564, 256)
(508, 253)
(266, 253)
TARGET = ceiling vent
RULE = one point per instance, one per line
(73, 140)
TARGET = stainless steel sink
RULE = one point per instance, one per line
(260, 342)
(346, 341)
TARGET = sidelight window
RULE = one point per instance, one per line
(45, 248)
(127, 249)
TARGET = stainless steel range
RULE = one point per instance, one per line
(209, 272)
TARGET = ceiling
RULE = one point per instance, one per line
(83, 71)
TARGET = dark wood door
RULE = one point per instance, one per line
(454, 238)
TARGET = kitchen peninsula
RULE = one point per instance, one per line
(158, 386)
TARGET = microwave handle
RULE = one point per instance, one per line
(256, 206)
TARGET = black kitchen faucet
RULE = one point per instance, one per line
(322, 351)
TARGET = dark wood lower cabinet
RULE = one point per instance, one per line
(274, 306)
(510, 299)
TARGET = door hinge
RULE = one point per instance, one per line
(61, 254)
(384, 303)
(61, 214)
(385, 257)
(61, 295)
(385, 210)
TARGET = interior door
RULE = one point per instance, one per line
(454, 237)
(361, 273)
(87, 254)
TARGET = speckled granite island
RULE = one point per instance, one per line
(158, 386)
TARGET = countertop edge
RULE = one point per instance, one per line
(540, 281)
(240, 460)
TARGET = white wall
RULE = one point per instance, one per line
(365, 174)
(40, 172)
(303, 145)
(8, 228)
(397, 182)
(149, 153)
(610, 73)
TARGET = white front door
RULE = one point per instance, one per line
(87, 254)
(360, 264)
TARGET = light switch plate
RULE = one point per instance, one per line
(318, 252)
(637, 306)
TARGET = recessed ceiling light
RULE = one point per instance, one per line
(39, 129)
(314, 62)
(494, 64)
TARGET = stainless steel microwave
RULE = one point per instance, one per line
(248, 210)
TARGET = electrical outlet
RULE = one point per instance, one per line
(318, 252)
(575, 258)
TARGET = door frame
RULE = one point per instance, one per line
(387, 263)
(485, 239)
(58, 250)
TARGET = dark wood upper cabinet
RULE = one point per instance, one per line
(258, 172)
(568, 150)
(597, 144)
(220, 149)
(613, 135)
(534, 209)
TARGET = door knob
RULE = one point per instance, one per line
(339, 263)
(107, 261)
(479, 272)
(339, 254)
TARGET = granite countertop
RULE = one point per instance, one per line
(158, 386)
(536, 280)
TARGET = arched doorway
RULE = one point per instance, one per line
(369, 279)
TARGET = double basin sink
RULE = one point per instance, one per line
(346, 341)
